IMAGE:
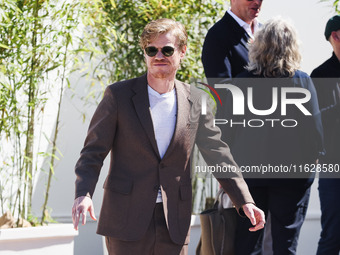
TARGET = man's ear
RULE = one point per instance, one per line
(335, 35)
(183, 51)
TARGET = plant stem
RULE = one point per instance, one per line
(54, 141)
(31, 113)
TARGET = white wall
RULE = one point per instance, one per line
(309, 16)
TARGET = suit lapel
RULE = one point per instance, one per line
(183, 110)
(142, 107)
(238, 30)
(245, 39)
(242, 34)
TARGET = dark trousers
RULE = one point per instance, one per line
(155, 241)
(287, 206)
(329, 192)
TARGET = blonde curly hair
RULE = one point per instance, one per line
(161, 26)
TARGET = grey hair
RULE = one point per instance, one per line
(275, 50)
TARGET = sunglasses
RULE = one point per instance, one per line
(167, 51)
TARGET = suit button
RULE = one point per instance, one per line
(161, 165)
(156, 188)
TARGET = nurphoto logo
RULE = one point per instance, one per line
(244, 101)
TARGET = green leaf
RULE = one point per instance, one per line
(4, 46)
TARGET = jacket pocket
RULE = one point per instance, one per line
(119, 185)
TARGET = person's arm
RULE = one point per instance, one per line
(97, 145)
(214, 58)
(224, 112)
(329, 102)
(316, 127)
(216, 152)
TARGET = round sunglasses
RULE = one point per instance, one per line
(167, 51)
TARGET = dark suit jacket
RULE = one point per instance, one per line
(122, 124)
(326, 77)
(225, 49)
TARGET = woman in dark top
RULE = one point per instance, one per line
(278, 138)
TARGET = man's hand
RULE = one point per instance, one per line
(255, 215)
(80, 207)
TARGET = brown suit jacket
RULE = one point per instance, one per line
(122, 125)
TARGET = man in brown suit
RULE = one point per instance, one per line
(150, 124)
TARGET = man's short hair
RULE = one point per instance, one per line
(333, 24)
(161, 26)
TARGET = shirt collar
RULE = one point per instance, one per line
(245, 25)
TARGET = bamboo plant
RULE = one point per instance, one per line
(36, 39)
(41, 43)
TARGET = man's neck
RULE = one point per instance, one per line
(249, 22)
(337, 52)
(161, 85)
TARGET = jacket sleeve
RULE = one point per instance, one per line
(217, 153)
(97, 145)
(214, 58)
(317, 132)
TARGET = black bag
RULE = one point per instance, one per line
(218, 227)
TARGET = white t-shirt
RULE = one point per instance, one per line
(163, 113)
